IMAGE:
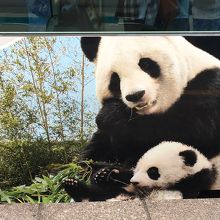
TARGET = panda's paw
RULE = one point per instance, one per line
(73, 186)
(70, 184)
(105, 175)
(75, 189)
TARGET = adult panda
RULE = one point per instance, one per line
(152, 89)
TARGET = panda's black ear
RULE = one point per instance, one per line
(90, 46)
(189, 157)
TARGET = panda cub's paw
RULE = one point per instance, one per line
(106, 175)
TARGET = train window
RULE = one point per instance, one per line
(109, 16)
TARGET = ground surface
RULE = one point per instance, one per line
(207, 209)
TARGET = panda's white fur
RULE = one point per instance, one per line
(179, 62)
(170, 164)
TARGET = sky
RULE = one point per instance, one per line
(6, 42)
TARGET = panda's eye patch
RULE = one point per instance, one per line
(114, 85)
(150, 67)
(153, 173)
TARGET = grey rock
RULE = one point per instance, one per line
(201, 209)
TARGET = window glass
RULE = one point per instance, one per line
(109, 16)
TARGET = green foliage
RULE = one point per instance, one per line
(21, 161)
(46, 115)
(47, 189)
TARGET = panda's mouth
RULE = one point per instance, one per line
(142, 106)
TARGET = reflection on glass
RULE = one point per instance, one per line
(114, 15)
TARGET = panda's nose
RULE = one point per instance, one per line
(135, 97)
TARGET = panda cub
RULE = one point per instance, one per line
(169, 165)
(175, 166)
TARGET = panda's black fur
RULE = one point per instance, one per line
(209, 44)
(198, 185)
(105, 184)
(194, 119)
